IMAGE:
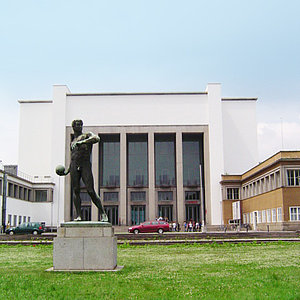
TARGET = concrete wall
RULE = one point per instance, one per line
(138, 109)
(239, 135)
(29, 209)
(35, 138)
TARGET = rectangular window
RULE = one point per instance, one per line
(274, 215)
(16, 191)
(268, 215)
(192, 195)
(110, 160)
(279, 214)
(28, 219)
(138, 196)
(293, 177)
(259, 217)
(263, 216)
(295, 213)
(40, 195)
(111, 196)
(165, 196)
(233, 193)
(244, 218)
(164, 159)
(277, 178)
(251, 218)
(21, 193)
(15, 220)
(29, 195)
(137, 160)
(9, 219)
(10, 189)
(137, 214)
(248, 218)
(24, 219)
(192, 154)
(85, 198)
(20, 220)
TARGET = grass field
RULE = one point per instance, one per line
(229, 271)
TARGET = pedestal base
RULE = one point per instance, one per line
(85, 246)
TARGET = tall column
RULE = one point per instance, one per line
(151, 176)
(216, 162)
(95, 170)
(123, 175)
(179, 179)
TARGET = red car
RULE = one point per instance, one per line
(150, 226)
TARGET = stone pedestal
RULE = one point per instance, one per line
(85, 246)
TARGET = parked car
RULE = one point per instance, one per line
(150, 226)
(26, 228)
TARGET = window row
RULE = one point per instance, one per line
(15, 220)
(24, 193)
(262, 185)
(138, 213)
(272, 215)
(137, 159)
(141, 196)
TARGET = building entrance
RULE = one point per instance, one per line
(86, 213)
(166, 212)
(112, 213)
(137, 214)
(192, 212)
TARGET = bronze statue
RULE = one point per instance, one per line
(80, 167)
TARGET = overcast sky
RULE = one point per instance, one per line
(251, 47)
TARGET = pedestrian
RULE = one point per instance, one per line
(190, 226)
(197, 226)
(174, 226)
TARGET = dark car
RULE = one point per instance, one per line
(26, 228)
(150, 226)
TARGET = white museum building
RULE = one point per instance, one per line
(160, 154)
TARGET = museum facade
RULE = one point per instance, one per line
(160, 154)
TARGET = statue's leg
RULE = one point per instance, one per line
(75, 181)
(88, 180)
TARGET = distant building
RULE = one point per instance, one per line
(24, 198)
(160, 154)
(267, 196)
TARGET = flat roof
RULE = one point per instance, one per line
(137, 94)
(239, 99)
(35, 101)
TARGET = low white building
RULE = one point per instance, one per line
(147, 162)
(25, 198)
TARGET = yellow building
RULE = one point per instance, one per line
(267, 196)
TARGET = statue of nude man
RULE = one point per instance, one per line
(80, 167)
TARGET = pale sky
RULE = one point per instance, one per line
(251, 47)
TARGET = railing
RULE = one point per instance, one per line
(33, 179)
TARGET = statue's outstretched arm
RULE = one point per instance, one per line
(91, 139)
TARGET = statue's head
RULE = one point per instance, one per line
(77, 125)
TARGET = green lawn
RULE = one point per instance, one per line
(229, 271)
